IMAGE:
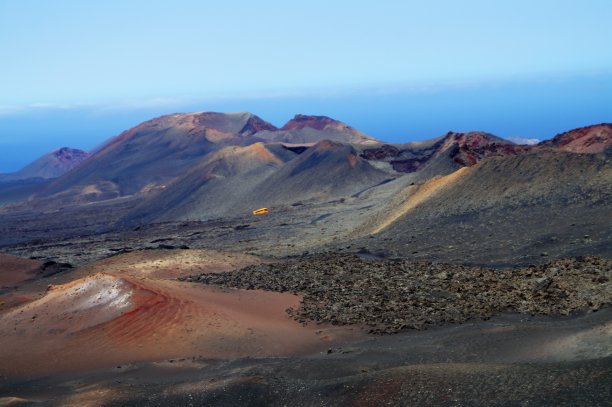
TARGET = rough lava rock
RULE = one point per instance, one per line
(392, 295)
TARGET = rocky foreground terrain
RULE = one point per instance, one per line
(510, 360)
(389, 296)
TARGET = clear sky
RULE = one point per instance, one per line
(78, 72)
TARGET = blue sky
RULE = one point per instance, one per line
(78, 72)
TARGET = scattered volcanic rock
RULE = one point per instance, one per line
(170, 264)
(390, 295)
(50, 268)
(466, 149)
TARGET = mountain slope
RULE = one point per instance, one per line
(153, 153)
(444, 154)
(326, 170)
(590, 139)
(304, 129)
(50, 165)
(220, 184)
(236, 180)
(506, 210)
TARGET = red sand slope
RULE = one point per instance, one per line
(104, 320)
(14, 270)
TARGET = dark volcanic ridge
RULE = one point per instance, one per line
(392, 295)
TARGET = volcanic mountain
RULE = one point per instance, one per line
(590, 139)
(223, 182)
(304, 129)
(444, 154)
(19, 186)
(528, 201)
(326, 170)
(201, 166)
(50, 165)
(238, 179)
(153, 153)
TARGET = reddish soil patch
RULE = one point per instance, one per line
(106, 320)
(314, 122)
(14, 270)
(590, 139)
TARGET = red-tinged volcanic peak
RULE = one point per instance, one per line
(475, 140)
(255, 124)
(469, 148)
(312, 129)
(51, 165)
(444, 154)
(237, 123)
(152, 154)
(213, 126)
(590, 139)
(301, 121)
